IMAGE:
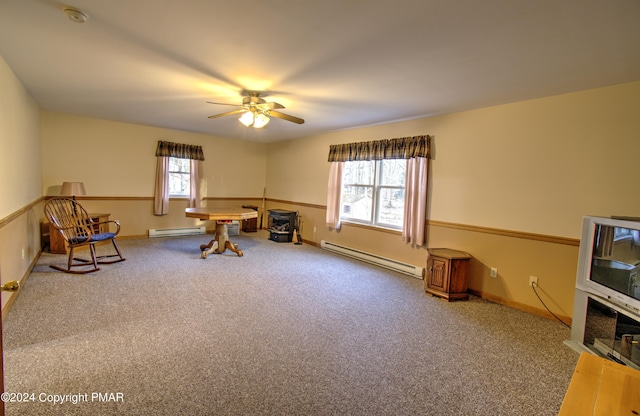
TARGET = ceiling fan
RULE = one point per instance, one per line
(256, 111)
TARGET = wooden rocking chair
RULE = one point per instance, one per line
(78, 229)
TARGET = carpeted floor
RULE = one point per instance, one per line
(285, 330)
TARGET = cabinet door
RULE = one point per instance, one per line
(438, 273)
(458, 278)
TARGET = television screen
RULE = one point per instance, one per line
(610, 259)
(616, 257)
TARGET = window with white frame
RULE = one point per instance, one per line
(373, 192)
(179, 176)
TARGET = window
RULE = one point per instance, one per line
(386, 186)
(373, 192)
(179, 176)
(178, 173)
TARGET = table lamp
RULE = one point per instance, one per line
(73, 189)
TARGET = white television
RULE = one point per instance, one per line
(606, 313)
(609, 260)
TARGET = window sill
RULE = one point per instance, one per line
(372, 227)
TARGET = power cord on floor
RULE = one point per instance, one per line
(533, 286)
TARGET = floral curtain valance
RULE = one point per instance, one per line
(179, 150)
(400, 148)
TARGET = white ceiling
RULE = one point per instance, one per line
(336, 63)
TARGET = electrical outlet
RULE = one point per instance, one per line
(533, 280)
(494, 272)
(22, 254)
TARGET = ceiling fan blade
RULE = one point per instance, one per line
(228, 113)
(234, 105)
(287, 117)
(270, 106)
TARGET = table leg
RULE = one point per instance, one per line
(222, 236)
(208, 248)
(221, 242)
(234, 248)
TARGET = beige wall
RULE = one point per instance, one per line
(534, 166)
(530, 168)
(20, 179)
(20, 158)
(118, 159)
(117, 163)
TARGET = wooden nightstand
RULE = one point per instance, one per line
(58, 245)
(446, 274)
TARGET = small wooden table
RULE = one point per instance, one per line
(602, 387)
(446, 275)
(222, 217)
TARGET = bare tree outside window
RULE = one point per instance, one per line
(179, 179)
(391, 192)
(373, 192)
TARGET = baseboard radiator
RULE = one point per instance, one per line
(395, 265)
(173, 232)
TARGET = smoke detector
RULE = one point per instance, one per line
(75, 15)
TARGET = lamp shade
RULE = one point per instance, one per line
(72, 189)
(260, 120)
(247, 119)
(254, 119)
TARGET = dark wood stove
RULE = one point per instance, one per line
(281, 225)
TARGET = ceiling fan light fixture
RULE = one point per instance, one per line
(254, 119)
(256, 111)
(247, 119)
(260, 120)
